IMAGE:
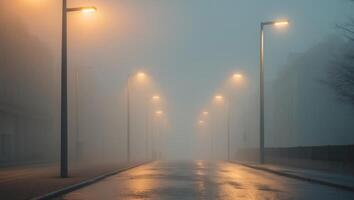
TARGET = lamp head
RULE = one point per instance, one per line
(88, 9)
(159, 112)
(281, 23)
(155, 97)
(218, 97)
(237, 76)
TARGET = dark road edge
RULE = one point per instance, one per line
(303, 178)
(84, 183)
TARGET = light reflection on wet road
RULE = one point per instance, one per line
(202, 180)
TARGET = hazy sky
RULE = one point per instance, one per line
(188, 46)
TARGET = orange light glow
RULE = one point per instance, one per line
(159, 112)
(219, 97)
(88, 10)
(281, 23)
(155, 97)
(205, 113)
(141, 74)
(201, 122)
(237, 76)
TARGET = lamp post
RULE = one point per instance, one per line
(77, 116)
(227, 104)
(154, 99)
(130, 76)
(201, 131)
(204, 122)
(261, 77)
(238, 79)
(64, 89)
(158, 126)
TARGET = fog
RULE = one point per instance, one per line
(188, 51)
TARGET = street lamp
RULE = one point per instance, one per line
(154, 99)
(238, 79)
(221, 98)
(64, 89)
(261, 76)
(237, 76)
(88, 9)
(158, 115)
(159, 112)
(204, 122)
(218, 97)
(139, 76)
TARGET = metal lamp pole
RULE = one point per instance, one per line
(207, 131)
(227, 102)
(261, 86)
(211, 146)
(128, 119)
(227, 105)
(157, 133)
(77, 116)
(149, 134)
(64, 98)
(147, 125)
(64, 88)
(228, 128)
(147, 128)
(140, 74)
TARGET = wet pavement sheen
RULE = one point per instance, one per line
(202, 180)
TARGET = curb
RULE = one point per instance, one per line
(312, 180)
(84, 183)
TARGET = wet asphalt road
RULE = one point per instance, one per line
(202, 180)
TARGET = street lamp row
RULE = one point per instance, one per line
(239, 76)
(64, 94)
(155, 98)
(226, 100)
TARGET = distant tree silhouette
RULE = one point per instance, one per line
(341, 76)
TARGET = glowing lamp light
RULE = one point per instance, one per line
(155, 97)
(88, 9)
(159, 112)
(141, 75)
(237, 76)
(85, 9)
(281, 23)
(219, 97)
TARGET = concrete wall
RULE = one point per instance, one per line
(336, 158)
(26, 139)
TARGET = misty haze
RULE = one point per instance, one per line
(177, 99)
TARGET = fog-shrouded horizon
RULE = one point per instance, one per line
(189, 52)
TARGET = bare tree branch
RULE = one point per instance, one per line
(341, 75)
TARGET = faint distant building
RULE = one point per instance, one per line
(24, 137)
(28, 96)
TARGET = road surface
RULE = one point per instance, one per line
(203, 180)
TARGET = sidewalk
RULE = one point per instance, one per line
(26, 182)
(337, 180)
